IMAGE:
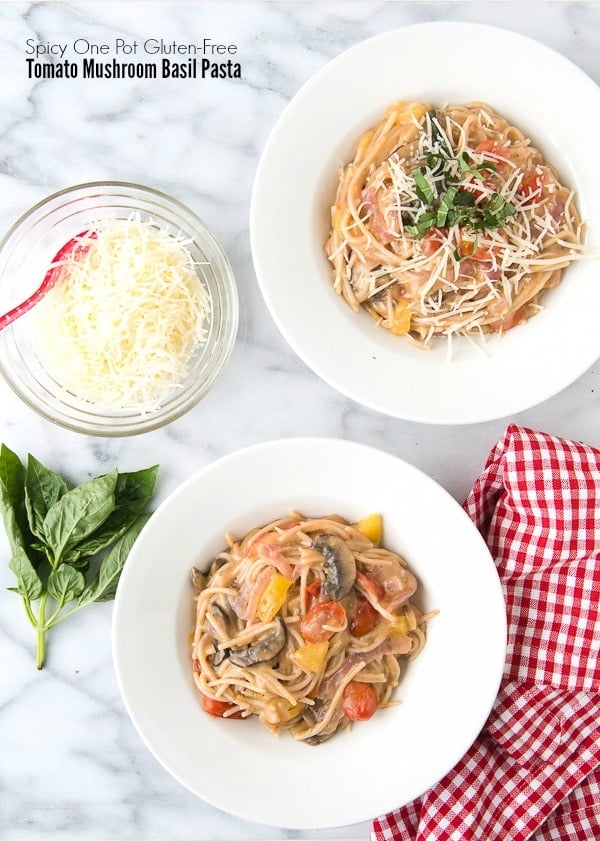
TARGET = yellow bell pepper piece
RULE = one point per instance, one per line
(311, 657)
(403, 111)
(279, 711)
(336, 217)
(371, 527)
(400, 626)
(401, 316)
(273, 597)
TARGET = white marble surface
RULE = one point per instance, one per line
(71, 764)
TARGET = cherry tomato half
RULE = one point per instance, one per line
(359, 701)
(476, 187)
(532, 188)
(433, 240)
(493, 149)
(311, 594)
(330, 614)
(467, 249)
(374, 588)
(218, 708)
(364, 619)
(509, 322)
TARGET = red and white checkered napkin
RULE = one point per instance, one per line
(534, 770)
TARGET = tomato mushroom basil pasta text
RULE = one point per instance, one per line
(449, 222)
(302, 623)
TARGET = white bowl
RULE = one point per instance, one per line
(548, 98)
(447, 692)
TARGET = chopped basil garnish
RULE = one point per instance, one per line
(423, 188)
(449, 201)
(446, 202)
(457, 207)
(464, 198)
(424, 223)
(437, 135)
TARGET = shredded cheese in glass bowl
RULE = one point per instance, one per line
(140, 321)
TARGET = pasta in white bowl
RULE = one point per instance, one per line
(448, 222)
(485, 360)
(175, 645)
(306, 623)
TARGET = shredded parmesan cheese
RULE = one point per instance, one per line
(120, 326)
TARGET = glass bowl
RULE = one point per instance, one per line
(27, 251)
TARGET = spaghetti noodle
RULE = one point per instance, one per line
(303, 623)
(448, 222)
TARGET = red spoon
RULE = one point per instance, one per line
(73, 248)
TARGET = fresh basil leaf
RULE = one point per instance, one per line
(464, 198)
(449, 197)
(12, 473)
(12, 499)
(78, 513)
(424, 223)
(104, 585)
(38, 546)
(65, 584)
(43, 488)
(79, 556)
(446, 202)
(109, 593)
(463, 162)
(494, 203)
(437, 135)
(29, 584)
(133, 492)
(508, 210)
(436, 162)
(423, 188)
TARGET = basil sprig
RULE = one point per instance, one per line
(68, 546)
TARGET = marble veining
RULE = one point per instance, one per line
(72, 767)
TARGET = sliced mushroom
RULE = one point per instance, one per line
(198, 579)
(219, 621)
(220, 654)
(309, 719)
(339, 566)
(216, 565)
(312, 715)
(265, 649)
(319, 738)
